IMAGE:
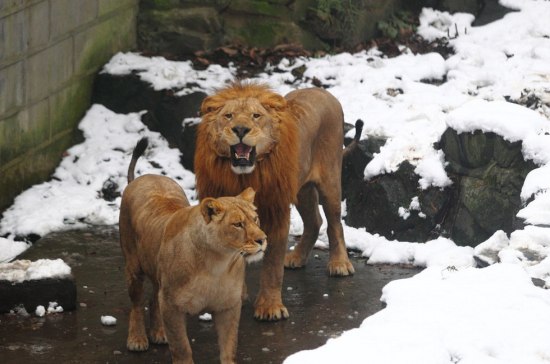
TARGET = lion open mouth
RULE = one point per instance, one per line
(243, 155)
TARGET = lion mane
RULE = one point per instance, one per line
(289, 150)
(275, 179)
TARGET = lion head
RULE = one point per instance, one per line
(233, 225)
(244, 120)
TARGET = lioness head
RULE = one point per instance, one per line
(233, 225)
(244, 123)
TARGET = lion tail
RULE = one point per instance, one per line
(358, 131)
(138, 152)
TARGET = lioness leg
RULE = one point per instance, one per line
(156, 332)
(137, 338)
(308, 207)
(227, 325)
(175, 327)
(339, 263)
(269, 304)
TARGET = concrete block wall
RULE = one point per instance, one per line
(50, 51)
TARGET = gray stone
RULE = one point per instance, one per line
(179, 31)
(33, 293)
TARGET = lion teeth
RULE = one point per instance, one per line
(244, 156)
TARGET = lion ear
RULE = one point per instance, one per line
(211, 209)
(211, 104)
(248, 194)
(272, 100)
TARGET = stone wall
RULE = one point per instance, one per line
(50, 52)
(176, 27)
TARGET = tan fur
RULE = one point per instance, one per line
(194, 256)
(298, 141)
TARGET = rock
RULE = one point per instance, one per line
(489, 173)
(179, 30)
(34, 293)
(166, 111)
(384, 205)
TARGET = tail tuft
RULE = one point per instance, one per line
(358, 130)
(138, 152)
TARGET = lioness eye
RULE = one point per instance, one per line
(228, 116)
(257, 220)
(239, 225)
(256, 115)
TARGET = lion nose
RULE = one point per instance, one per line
(240, 131)
(260, 241)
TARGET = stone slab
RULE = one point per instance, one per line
(33, 293)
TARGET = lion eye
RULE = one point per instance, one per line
(238, 225)
(256, 115)
(228, 116)
(257, 220)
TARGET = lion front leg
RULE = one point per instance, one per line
(269, 304)
(227, 326)
(175, 328)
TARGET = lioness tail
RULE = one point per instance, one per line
(358, 130)
(138, 152)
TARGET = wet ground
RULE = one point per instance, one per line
(320, 307)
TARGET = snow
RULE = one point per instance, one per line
(54, 307)
(10, 248)
(205, 317)
(449, 316)
(24, 270)
(108, 320)
(40, 311)
(453, 311)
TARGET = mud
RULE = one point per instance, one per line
(320, 308)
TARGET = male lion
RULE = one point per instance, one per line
(194, 256)
(290, 151)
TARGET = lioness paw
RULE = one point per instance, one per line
(137, 343)
(158, 337)
(270, 313)
(340, 268)
(294, 261)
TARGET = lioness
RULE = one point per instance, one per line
(289, 149)
(194, 255)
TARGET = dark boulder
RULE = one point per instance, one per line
(383, 204)
(33, 293)
(166, 111)
(488, 172)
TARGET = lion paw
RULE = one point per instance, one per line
(294, 261)
(340, 268)
(137, 343)
(274, 312)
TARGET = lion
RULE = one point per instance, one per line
(194, 256)
(289, 149)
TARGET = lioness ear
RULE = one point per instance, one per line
(248, 195)
(272, 100)
(211, 209)
(211, 103)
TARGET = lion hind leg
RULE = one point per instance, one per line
(156, 332)
(339, 264)
(137, 338)
(308, 207)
